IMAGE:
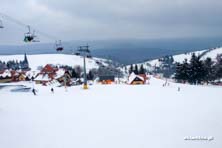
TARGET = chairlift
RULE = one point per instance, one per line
(1, 24)
(59, 46)
(30, 37)
(36, 39)
(89, 56)
(77, 53)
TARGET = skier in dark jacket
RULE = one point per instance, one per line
(34, 91)
(52, 90)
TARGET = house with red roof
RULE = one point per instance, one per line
(50, 73)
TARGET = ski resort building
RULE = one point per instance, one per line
(18, 76)
(106, 79)
(136, 79)
(50, 73)
(5, 76)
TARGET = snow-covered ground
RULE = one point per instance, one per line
(213, 54)
(149, 65)
(177, 58)
(112, 116)
(56, 59)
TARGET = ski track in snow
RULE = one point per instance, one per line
(111, 116)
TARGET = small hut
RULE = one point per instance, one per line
(136, 79)
(107, 79)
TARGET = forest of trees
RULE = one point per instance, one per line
(197, 71)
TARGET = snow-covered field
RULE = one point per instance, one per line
(112, 116)
(213, 54)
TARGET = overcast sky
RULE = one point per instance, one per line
(113, 19)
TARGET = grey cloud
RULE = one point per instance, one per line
(98, 19)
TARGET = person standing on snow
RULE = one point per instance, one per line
(52, 90)
(34, 91)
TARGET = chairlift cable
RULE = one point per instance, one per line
(9, 18)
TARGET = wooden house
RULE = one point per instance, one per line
(136, 79)
(50, 73)
(5, 76)
(64, 78)
(46, 75)
(107, 79)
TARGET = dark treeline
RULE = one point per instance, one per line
(14, 65)
(197, 71)
(137, 70)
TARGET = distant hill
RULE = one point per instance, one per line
(123, 51)
(56, 59)
(211, 53)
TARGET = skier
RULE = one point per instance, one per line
(34, 91)
(52, 90)
(178, 89)
(65, 83)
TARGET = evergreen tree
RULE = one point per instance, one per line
(142, 70)
(136, 71)
(177, 75)
(218, 67)
(90, 75)
(196, 70)
(131, 69)
(74, 74)
(182, 72)
(78, 71)
(209, 73)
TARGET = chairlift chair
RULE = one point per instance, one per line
(77, 53)
(59, 46)
(35, 38)
(89, 56)
(29, 37)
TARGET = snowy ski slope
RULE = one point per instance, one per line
(112, 116)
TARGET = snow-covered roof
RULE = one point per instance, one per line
(45, 77)
(53, 83)
(133, 76)
(31, 74)
(59, 73)
(6, 73)
(42, 77)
